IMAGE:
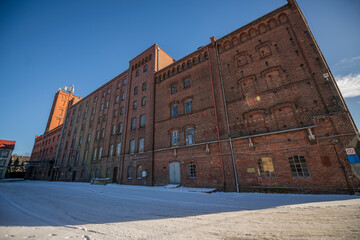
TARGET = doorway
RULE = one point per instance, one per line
(73, 176)
(174, 173)
(114, 179)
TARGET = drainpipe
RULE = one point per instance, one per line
(227, 119)
(217, 121)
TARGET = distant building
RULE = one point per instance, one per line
(17, 166)
(256, 110)
(44, 150)
(6, 149)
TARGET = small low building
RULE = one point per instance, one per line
(6, 149)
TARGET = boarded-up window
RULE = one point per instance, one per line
(256, 121)
(285, 117)
(273, 79)
(241, 60)
(264, 51)
(248, 86)
(266, 167)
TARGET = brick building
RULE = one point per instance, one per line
(44, 150)
(255, 110)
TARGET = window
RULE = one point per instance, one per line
(121, 127)
(142, 120)
(100, 152)
(144, 86)
(115, 113)
(266, 167)
(93, 111)
(123, 96)
(133, 123)
(113, 129)
(143, 101)
(129, 172)
(132, 146)
(105, 117)
(94, 155)
(137, 73)
(111, 149)
(95, 99)
(125, 81)
(173, 89)
(135, 105)
(298, 166)
(97, 134)
(85, 157)
(139, 172)
(136, 90)
(119, 85)
(103, 95)
(118, 149)
(189, 136)
(102, 107)
(191, 170)
(141, 145)
(117, 99)
(187, 83)
(89, 137)
(107, 104)
(145, 68)
(121, 110)
(188, 106)
(174, 110)
(109, 91)
(174, 138)
(103, 133)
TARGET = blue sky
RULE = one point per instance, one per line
(48, 44)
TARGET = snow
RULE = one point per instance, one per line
(58, 210)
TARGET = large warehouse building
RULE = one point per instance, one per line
(257, 110)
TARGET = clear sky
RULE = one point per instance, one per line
(49, 44)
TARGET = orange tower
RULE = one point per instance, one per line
(58, 109)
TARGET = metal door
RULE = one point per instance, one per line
(174, 173)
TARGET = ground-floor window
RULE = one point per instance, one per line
(266, 167)
(298, 166)
(191, 170)
(139, 172)
(129, 172)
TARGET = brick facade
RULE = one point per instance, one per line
(257, 110)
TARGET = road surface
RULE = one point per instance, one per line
(59, 210)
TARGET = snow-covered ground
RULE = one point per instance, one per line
(58, 210)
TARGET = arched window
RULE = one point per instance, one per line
(191, 170)
(189, 63)
(178, 69)
(183, 66)
(201, 58)
(174, 138)
(190, 136)
(206, 55)
(188, 106)
(195, 61)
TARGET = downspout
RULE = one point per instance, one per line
(217, 122)
(227, 119)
